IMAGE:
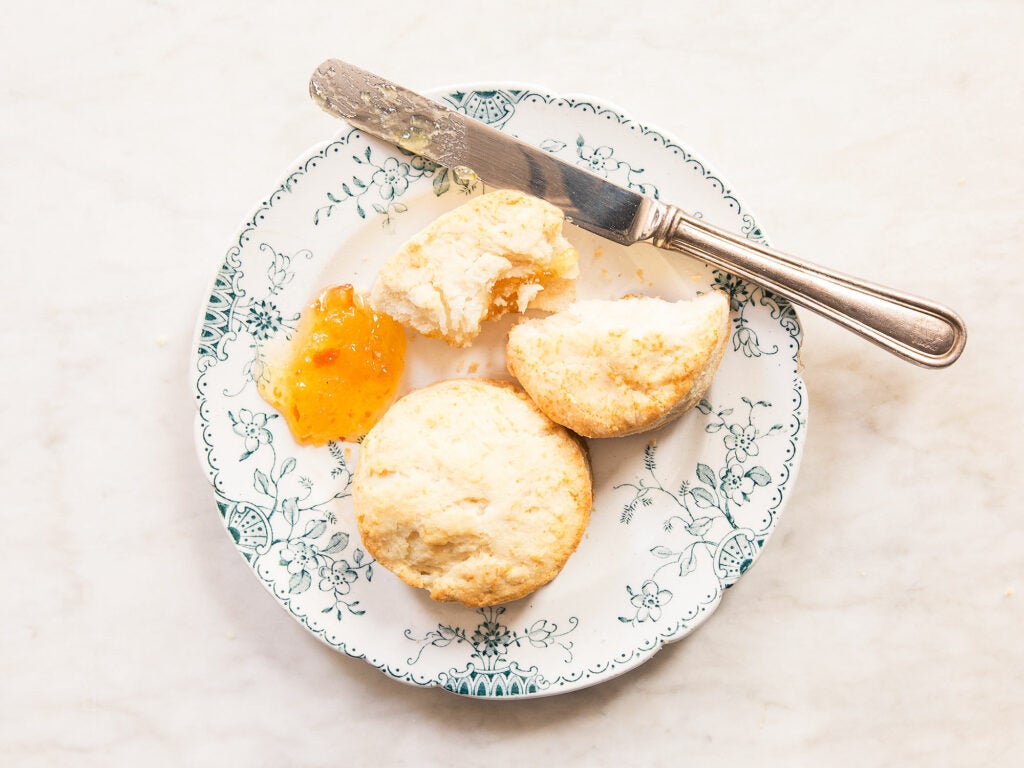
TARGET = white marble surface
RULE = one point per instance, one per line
(881, 627)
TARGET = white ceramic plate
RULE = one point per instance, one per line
(679, 513)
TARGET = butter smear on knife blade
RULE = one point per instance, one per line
(414, 125)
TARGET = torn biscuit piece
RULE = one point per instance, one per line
(501, 252)
(607, 368)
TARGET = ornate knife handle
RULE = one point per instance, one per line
(917, 330)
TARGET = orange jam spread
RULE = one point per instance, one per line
(339, 373)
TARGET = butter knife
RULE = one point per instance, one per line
(911, 327)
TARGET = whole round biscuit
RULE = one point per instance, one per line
(466, 489)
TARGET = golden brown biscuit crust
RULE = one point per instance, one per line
(619, 367)
(466, 489)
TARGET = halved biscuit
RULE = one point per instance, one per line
(500, 252)
(618, 367)
(464, 488)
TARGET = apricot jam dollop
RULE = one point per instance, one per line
(339, 373)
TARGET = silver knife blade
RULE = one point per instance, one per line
(424, 127)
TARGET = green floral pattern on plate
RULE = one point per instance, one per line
(680, 514)
(389, 180)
